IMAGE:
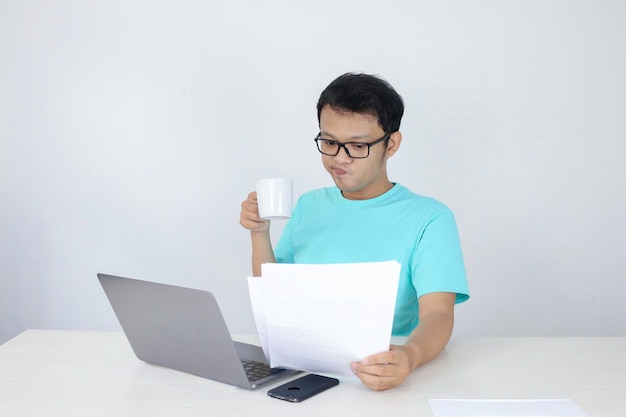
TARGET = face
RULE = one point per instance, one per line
(358, 179)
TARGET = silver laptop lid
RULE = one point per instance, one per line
(175, 327)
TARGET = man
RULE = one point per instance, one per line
(367, 218)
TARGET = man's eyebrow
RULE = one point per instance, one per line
(327, 135)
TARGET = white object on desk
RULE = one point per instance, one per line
(506, 408)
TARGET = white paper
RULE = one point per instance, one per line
(255, 288)
(506, 408)
(320, 318)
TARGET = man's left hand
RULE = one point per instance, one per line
(384, 370)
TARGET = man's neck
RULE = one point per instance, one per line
(368, 194)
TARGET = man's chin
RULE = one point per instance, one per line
(346, 190)
(344, 186)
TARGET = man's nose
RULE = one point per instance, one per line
(343, 155)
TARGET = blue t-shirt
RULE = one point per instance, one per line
(418, 232)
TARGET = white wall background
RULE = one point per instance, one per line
(130, 131)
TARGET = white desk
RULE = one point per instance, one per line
(66, 373)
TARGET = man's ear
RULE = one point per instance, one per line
(393, 144)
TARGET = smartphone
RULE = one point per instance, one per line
(302, 388)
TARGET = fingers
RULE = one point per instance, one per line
(382, 358)
(382, 371)
(376, 377)
(249, 216)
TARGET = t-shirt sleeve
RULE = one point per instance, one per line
(437, 262)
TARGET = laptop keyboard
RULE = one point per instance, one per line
(258, 370)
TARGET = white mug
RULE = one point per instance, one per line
(275, 198)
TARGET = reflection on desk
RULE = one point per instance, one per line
(77, 373)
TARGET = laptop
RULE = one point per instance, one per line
(183, 329)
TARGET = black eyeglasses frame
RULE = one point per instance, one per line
(344, 145)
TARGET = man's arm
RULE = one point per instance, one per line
(388, 369)
(262, 251)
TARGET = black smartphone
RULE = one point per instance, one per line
(302, 388)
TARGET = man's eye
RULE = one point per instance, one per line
(357, 145)
(329, 142)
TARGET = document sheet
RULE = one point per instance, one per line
(319, 318)
(506, 408)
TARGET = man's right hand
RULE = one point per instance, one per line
(250, 218)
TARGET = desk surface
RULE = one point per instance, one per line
(71, 373)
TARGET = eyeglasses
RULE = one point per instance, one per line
(355, 150)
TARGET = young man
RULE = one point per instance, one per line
(367, 218)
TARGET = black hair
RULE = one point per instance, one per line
(365, 94)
